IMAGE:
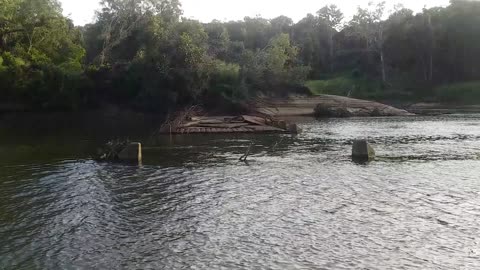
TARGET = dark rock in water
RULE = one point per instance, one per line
(132, 152)
(325, 111)
(362, 151)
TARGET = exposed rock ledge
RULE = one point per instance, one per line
(439, 109)
(333, 106)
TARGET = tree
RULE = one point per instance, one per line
(41, 53)
(281, 25)
(368, 25)
(120, 18)
(332, 17)
(312, 40)
(257, 32)
(218, 39)
(274, 67)
(142, 54)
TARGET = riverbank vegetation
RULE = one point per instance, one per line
(142, 54)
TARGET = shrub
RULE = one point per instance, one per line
(466, 92)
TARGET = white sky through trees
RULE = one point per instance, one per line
(82, 11)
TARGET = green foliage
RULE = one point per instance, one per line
(143, 54)
(226, 92)
(225, 73)
(274, 67)
(41, 55)
(343, 85)
(336, 86)
(218, 39)
(465, 93)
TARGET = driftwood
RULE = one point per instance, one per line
(254, 120)
(234, 125)
(211, 121)
(274, 148)
(186, 123)
(192, 120)
(249, 150)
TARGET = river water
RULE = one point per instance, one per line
(299, 202)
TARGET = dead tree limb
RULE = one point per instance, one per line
(244, 157)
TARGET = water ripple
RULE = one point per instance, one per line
(304, 205)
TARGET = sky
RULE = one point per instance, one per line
(82, 11)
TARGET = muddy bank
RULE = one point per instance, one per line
(305, 106)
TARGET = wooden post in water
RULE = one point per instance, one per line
(362, 151)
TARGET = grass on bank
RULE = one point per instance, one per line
(347, 86)
(463, 93)
(367, 88)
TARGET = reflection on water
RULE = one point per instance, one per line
(299, 203)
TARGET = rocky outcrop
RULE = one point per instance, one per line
(327, 106)
(439, 109)
(338, 112)
(373, 110)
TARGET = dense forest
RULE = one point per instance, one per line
(142, 54)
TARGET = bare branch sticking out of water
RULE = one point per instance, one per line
(244, 157)
(274, 148)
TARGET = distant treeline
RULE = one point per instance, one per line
(142, 54)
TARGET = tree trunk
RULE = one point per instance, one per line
(430, 74)
(382, 63)
(3, 43)
(424, 69)
(30, 41)
(432, 47)
(331, 50)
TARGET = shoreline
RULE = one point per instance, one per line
(424, 108)
(279, 107)
(333, 106)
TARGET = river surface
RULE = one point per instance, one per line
(299, 202)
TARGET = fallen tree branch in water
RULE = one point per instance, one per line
(277, 144)
(244, 157)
